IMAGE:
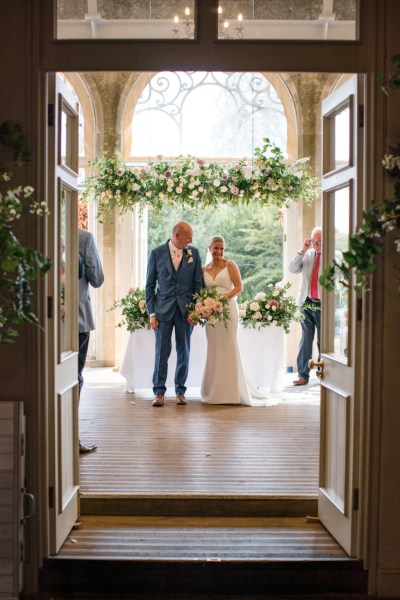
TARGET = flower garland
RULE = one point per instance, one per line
(272, 308)
(192, 183)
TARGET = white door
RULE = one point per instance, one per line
(62, 159)
(343, 136)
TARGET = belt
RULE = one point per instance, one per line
(313, 300)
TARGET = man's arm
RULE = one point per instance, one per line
(151, 281)
(93, 267)
(296, 264)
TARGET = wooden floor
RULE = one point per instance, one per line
(224, 456)
(196, 449)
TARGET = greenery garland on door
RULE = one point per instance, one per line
(191, 183)
(366, 243)
(19, 265)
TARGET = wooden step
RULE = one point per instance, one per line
(198, 505)
(201, 555)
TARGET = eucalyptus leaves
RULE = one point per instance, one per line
(19, 265)
(191, 183)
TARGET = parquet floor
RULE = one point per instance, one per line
(197, 449)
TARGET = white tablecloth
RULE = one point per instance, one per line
(262, 355)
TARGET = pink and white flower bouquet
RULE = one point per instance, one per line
(272, 308)
(209, 307)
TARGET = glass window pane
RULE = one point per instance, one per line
(287, 19)
(337, 133)
(67, 151)
(342, 139)
(341, 200)
(207, 114)
(125, 19)
(65, 300)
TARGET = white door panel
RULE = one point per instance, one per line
(341, 184)
(63, 322)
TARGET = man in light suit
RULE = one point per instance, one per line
(308, 262)
(174, 274)
(90, 272)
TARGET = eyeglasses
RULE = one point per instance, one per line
(316, 243)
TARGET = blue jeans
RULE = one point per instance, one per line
(312, 322)
(163, 334)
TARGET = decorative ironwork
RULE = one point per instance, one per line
(251, 99)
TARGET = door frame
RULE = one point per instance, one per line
(292, 56)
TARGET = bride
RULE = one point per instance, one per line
(224, 381)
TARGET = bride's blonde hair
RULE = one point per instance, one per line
(216, 239)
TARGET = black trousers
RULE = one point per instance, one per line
(83, 348)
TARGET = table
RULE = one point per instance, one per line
(262, 355)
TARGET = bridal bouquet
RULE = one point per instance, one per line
(134, 310)
(272, 308)
(209, 307)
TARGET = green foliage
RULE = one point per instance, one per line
(364, 246)
(19, 265)
(253, 239)
(393, 79)
(133, 310)
(190, 183)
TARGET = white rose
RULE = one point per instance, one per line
(247, 171)
(258, 316)
(259, 296)
(255, 306)
(216, 182)
(223, 189)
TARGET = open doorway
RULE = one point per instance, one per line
(110, 237)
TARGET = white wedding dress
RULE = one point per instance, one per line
(224, 381)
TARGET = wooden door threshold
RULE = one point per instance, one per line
(212, 505)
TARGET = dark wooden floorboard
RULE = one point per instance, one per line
(195, 538)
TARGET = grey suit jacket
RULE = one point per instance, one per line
(92, 274)
(304, 263)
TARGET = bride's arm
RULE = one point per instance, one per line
(236, 279)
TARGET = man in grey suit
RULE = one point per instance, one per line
(308, 262)
(90, 272)
(174, 274)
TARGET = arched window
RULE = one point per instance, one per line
(216, 115)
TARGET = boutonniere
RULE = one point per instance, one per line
(189, 254)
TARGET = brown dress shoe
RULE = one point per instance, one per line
(158, 400)
(180, 399)
(85, 448)
(300, 381)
